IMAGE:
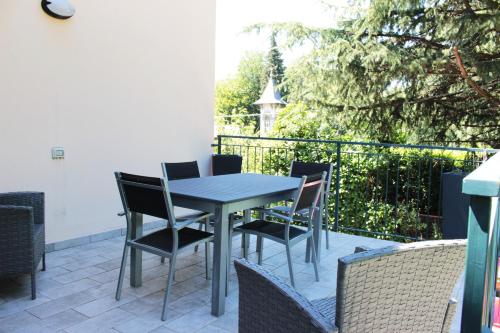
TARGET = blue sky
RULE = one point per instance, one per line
(234, 15)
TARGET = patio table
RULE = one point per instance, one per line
(223, 195)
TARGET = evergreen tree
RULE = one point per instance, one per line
(405, 71)
(275, 66)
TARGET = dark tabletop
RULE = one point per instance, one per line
(231, 188)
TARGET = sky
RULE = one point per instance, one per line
(234, 15)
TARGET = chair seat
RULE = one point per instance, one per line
(326, 306)
(162, 239)
(273, 229)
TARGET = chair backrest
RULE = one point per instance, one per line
(309, 191)
(401, 288)
(299, 169)
(267, 304)
(145, 195)
(181, 170)
(226, 164)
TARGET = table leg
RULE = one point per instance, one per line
(135, 254)
(220, 261)
(318, 228)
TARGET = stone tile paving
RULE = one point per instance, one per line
(76, 293)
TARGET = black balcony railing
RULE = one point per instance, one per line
(389, 191)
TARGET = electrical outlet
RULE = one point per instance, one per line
(57, 153)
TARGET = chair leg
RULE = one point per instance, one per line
(327, 232)
(258, 245)
(43, 262)
(33, 285)
(170, 279)
(260, 242)
(122, 273)
(245, 248)
(207, 261)
(200, 226)
(290, 268)
(315, 261)
(245, 239)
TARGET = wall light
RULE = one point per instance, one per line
(60, 9)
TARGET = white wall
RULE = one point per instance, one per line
(123, 85)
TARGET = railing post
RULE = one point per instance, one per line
(476, 301)
(337, 188)
(219, 144)
(483, 185)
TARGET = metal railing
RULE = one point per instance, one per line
(483, 186)
(390, 191)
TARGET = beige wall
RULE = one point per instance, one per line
(123, 85)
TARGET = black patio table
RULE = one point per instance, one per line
(223, 195)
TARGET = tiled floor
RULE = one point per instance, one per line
(76, 292)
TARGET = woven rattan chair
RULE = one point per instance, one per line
(22, 234)
(400, 288)
(300, 169)
(226, 164)
(150, 196)
(307, 197)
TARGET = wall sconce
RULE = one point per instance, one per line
(60, 9)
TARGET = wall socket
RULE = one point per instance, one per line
(57, 153)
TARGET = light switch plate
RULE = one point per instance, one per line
(57, 153)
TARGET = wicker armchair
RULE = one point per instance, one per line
(22, 234)
(401, 288)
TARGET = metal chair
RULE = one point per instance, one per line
(150, 196)
(299, 169)
(180, 170)
(226, 164)
(22, 234)
(306, 198)
(400, 288)
(186, 170)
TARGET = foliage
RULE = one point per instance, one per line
(235, 96)
(403, 71)
(275, 66)
(394, 193)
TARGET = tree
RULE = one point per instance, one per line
(235, 96)
(405, 71)
(275, 66)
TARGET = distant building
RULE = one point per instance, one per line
(270, 104)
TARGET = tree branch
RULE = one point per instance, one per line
(476, 87)
(412, 38)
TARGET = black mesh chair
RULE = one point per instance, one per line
(150, 196)
(299, 169)
(186, 170)
(226, 164)
(181, 170)
(306, 198)
(22, 234)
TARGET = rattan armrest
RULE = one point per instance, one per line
(36, 200)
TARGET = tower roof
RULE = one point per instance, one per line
(270, 95)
